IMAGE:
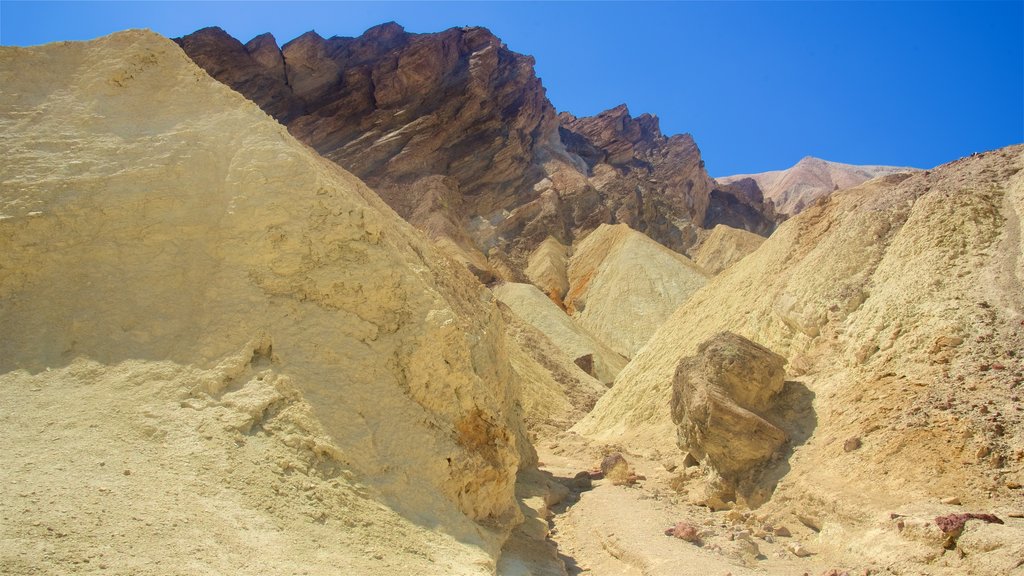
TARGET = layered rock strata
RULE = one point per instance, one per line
(455, 133)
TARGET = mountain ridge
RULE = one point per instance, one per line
(455, 132)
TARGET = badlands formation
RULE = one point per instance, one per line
(534, 344)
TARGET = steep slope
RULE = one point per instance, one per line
(723, 247)
(269, 353)
(623, 286)
(555, 392)
(547, 269)
(904, 298)
(797, 187)
(530, 304)
(454, 131)
(654, 184)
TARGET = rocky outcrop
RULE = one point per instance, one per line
(741, 205)
(167, 245)
(446, 127)
(721, 398)
(455, 133)
(648, 181)
(623, 285)
(795, 188)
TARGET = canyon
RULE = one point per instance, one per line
(373, 305)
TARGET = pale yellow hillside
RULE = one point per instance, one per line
(899, 304)
(623, 285)
(725, 246)
(222, 353)
(539, 311)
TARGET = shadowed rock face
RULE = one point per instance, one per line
(455, 133)
(741, 204)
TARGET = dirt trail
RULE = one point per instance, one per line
(620, 530)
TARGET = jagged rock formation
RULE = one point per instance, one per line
(723, 247)
(623, 286)
(250, 326)
(454, 131)
(903, 297)
(536, 309)
(795, 188)
(721, 400)
(651, 183)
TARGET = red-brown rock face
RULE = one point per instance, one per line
(656, 185)
(454, 131)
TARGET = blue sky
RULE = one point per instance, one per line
(758, 84)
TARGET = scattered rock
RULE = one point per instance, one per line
(586, 363)
(797, 549)
(952, 525)
(783, 532)
(952, 500)
(615, 468)
(684, 531)
(582, 481)
(809, 521)
(852, 444)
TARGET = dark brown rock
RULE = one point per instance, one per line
(647, 180)
(454, 131)
(741, 204)
(586, 363)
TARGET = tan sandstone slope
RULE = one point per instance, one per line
(797, 187)
(723, 247)
(899, 305)
(223, 353)
(527, 302)
(623, 285)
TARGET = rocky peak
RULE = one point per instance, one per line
(621, 136)
(455, 132)
(385, 33)
(264, 50)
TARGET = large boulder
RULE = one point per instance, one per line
(720, 400)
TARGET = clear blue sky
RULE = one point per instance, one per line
(759, 85)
